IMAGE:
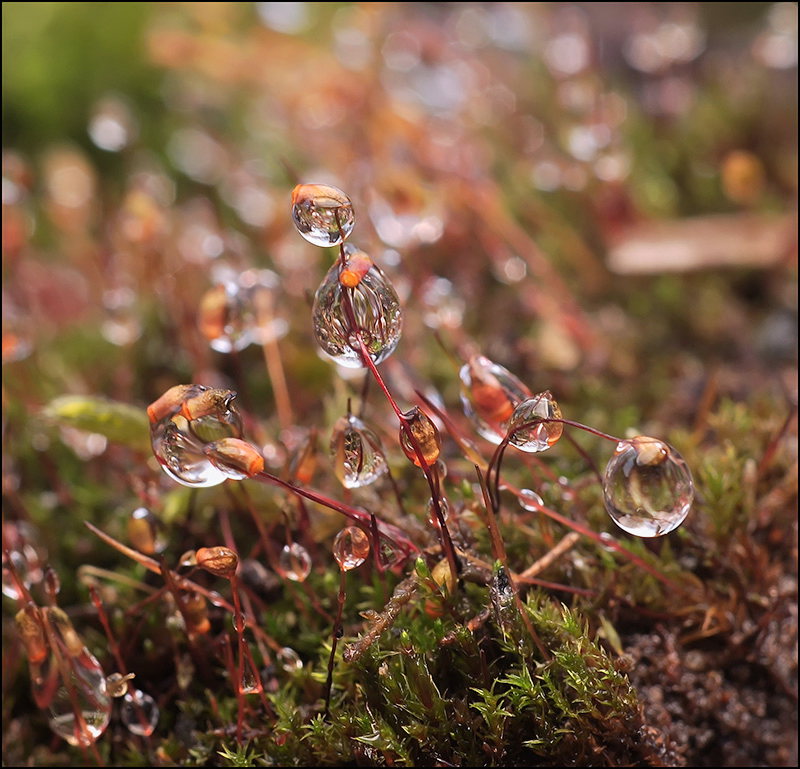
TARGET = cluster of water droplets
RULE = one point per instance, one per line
(355, 303)
(183, 422)
(647, 487)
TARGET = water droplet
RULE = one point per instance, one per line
(194, 613)
(539, 436)
(303, 460)
(25, 554)
(489, 395)
(530, 500)
(143, 529)
(350, 548)
(295, 562)
(444, 506)
(358, 458)
(139, 713)
(425, 433)
(182, 421)
(377, 313)
(322, 214)
(80, 708)
(647, 487)
(224, 320)
(290, 660)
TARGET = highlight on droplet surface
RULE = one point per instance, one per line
(529, 500)
(358, 459)
(322, 214)
(489, 395)
(647, 487)
(529, 435)
(377, 316)
(295, 562)
(289, 659)
(350, 548)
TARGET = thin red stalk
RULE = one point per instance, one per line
(337, 629)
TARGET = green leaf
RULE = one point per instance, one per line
(119, 422)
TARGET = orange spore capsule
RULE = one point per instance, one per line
(426, 435)
(235, 454)
(171, 401)
(210, 401)
(357, 266)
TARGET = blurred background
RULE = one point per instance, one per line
(599, 196)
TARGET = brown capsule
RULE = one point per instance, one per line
(235, 456)
(195, 612)
(213, 315)
(61, 624)
(304, 460)
(142, 530)
(210, 401)
(426, 435)
(171, 401)
(357, 266)
(117, 684)
(29, 625)
(649, 451)
(220, 561)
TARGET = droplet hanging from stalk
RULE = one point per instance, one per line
(647, 487)
(538, 436)
(350, 548)
(358, 459)
(425, 433)
(139, 713)
(376, 314)
(322, 214)
(489, 395)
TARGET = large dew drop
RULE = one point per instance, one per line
(647, 487)
(376, 315)
(489, 395)
(322, 214)
(358, 459)
(350, 548)
(528, 434)
(295, 562)
(179, 432)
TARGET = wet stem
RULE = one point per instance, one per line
(431, 476)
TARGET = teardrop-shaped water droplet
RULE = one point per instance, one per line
(376, 312)
(25, 554)
(322, 214)
(647, 487)
(358, 459)
(528, 434)
(350, 548)
(139, 713)
(425, 433)
(489, 395)
(250, 681)
(444, 507)
(295, 562)
(81, 708)
(143, 530)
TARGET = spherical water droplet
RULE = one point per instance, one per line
(181, 455)
(139, 713)
(358, 459)
(377, 313)
(289, 659)
(350, 548)
(425, 433)
(322, 214)
(25, 554)
(647, 487)
(530, 500)
(295, 562)
(224, 320)
(538, 436)
(489, 395)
